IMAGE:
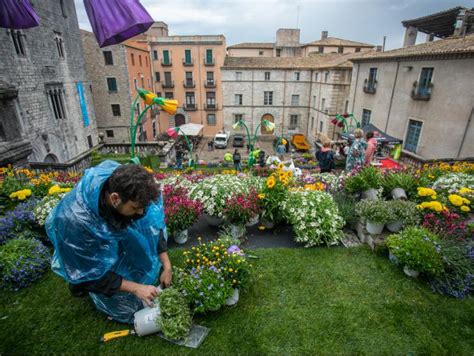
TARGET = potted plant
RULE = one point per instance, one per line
(418, 250)
(399, 185)
(175, 320)
(366, 182)
(402, 214)
(180, 212)
(239, 210)
(375, 212)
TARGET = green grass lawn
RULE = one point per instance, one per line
(301, 301)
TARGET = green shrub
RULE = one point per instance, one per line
(402, 180)
(346, 206)
(367, 178)
(175, 320)
(404, 211)
(374, 211)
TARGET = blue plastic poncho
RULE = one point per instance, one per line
(86, 248)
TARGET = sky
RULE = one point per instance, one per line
(257, 21)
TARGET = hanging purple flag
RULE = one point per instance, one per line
(114, 21)
(17, 14)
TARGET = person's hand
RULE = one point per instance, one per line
(166, 278)
(146, 293)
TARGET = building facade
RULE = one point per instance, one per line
(423, 94)
(188, 69)
(116, 72)
(45, 97)
(300, 95)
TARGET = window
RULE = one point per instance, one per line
(143, 81)
(413, 135)
(157, 76)
(238, 75)
(135, 83)
(312, 123)
(138, 108)
(187, 56)
(112, 84)
(267, 75)
(238, 117)
(108, 59)
(372, 77)
(340, 49)
(56, 100)
(321, 126)
(63, 8)
(314, 101)
(153, 127)
(326, 77)
(296, 76)
(211, 119)
(323, 104)
(321, 49)
(260, 53)
(158, 94)
(346, 106)
(58, 38)
(211, 99)
(140, 60)
(17, 38)
(169, 95)
(238, 99)
(295, 100)
(109, 133)
(365, 117)
(210, 78)
(3, 134)
(357, 50)
(189, 78)
(425, 80)
(293, 122)
(168, 81)
(166, 56)
(209, 59)
(132, 57)
(267, 98)
(116, 110)
(155, 55)
(190, 100)
(89, 141)
(316, 76)
(278, 52)
(146, 61)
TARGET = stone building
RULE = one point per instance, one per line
(116, 72)
(300, 95)
(46, 111)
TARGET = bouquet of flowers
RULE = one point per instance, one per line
(180, 211)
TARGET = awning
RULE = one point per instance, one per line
(379, 135)
(191, 129)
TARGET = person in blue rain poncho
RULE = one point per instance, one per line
(109, 237)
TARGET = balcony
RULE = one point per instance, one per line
(211, 63)
(370, 87)
(166, 64)
(189, 84)
(188, 63)
(210, 107)
(190, 107)
(167, 85)
(210, 84)
(421, 92)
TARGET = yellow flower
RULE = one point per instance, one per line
(54, 190)
(234, 281)
(231, 270)
(270, 182)
(465, 191)
(21, 197)
(280, 166)
(466, 201)
(261, 196)
(426, 192)
(465, 208)
(261, 227)
(455, 199)
(148, 169)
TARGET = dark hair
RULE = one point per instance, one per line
(369, 134)
(133, 182)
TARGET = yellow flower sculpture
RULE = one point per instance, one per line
(455, 199)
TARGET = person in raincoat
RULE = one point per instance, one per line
(109, 239)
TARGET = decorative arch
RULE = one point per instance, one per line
(263, 129)
(51, 158)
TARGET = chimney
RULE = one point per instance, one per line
(378, 49)
(324, 35)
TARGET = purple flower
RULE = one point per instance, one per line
(234, 249)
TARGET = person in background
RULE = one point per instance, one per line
(371, 147)
(261, 158)
(281, 149)
(179, 158)
(325, 157)
(236, 158)
(356, 156)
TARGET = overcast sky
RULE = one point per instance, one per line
(257, 21)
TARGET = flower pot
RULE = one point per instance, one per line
(267, 223)
(237, 231)
(399, 193)
(370, 194)
(234, 298)
(145, 320)
(181, 237)
(393, 258)
(410, 272)
(374, 229)
(252, 221)
(394, 226)
(213, 220)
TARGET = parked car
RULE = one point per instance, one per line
(221, 140)
(238, 141)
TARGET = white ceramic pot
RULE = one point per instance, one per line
(252, 221)
(145, 320)
(393, 258)
(213, 220)
(234, 298)
(181, 237)
(410, 272)
(267, 223)
(394, 226)
(374, 229)
(237, 231)
(399, 193)
(370, 194)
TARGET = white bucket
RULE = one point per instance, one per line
(146, 320)
(181, 237)
(253, 221)
(237, 231)
(374, 229)
(394, 226)
(234, 298)
(213, 220)
(399, 193)
(410, 272)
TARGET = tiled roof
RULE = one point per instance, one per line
(330, 60)
(451, 45)
(333, 41)
(252, 45)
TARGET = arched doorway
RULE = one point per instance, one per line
(179, 120)
(263, 129)
(50, 158)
